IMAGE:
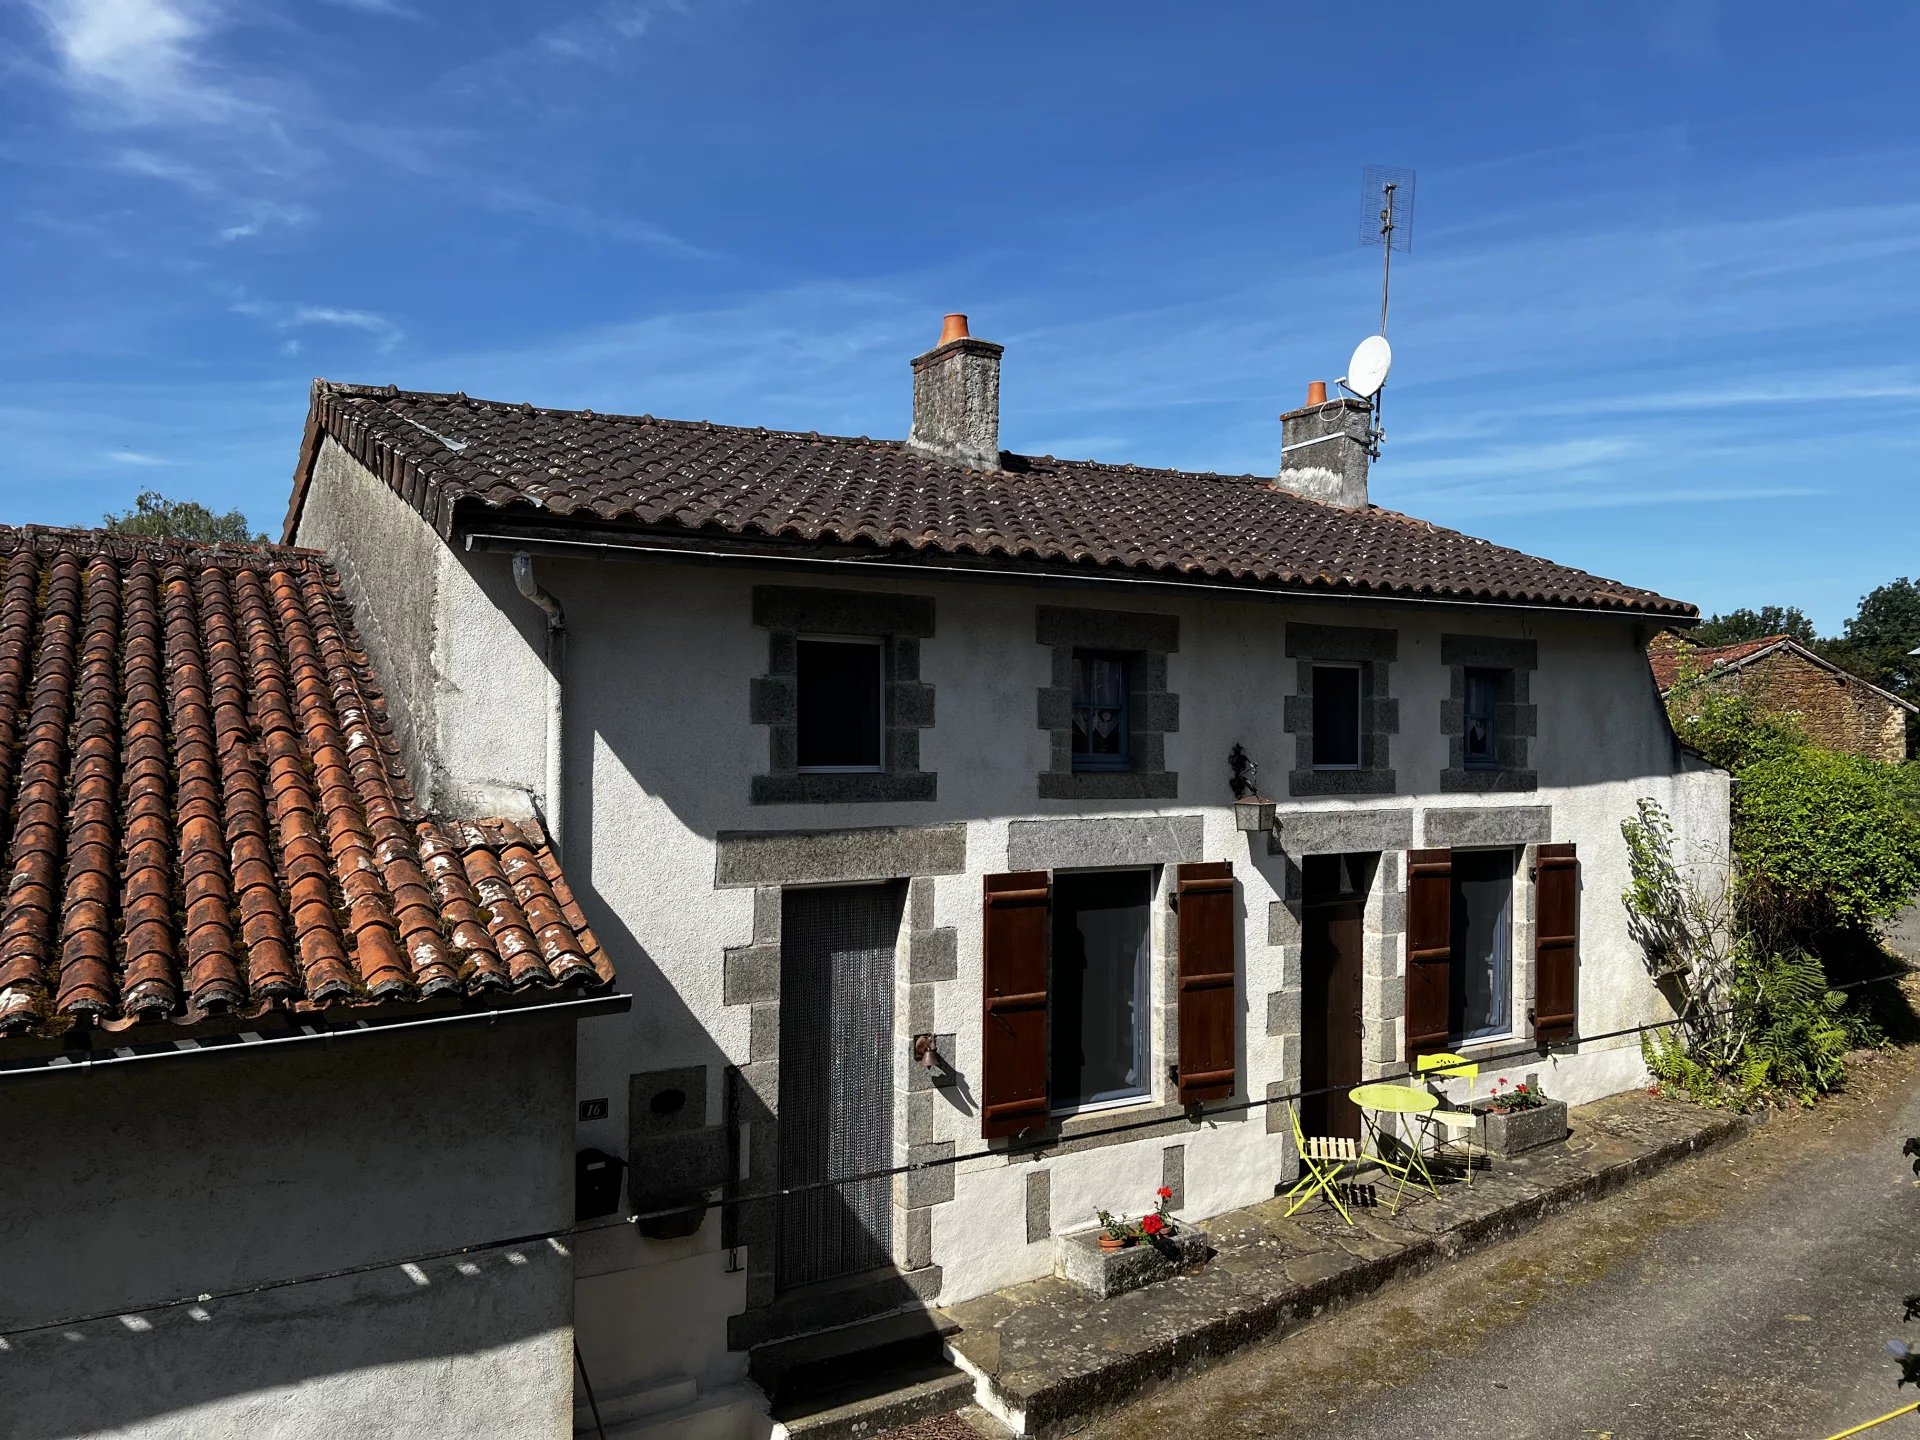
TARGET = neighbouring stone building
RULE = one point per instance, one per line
(895, 777)
(1837, 709)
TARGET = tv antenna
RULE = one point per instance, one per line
(1386, 219)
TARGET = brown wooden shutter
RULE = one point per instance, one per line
(1556, 943)
(1013, 1041)
(1209, 999)
(1429, 949)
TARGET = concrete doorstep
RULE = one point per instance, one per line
(1047, 1357)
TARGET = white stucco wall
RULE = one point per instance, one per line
(198, 1176)
(659, 750)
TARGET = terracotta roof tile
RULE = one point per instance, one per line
(205, 814)
(1669, 654)
(458, 461)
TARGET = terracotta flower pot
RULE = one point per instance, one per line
(1111, 1243)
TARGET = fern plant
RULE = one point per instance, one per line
(1756, 1017)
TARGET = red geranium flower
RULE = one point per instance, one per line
(1152, 1225)
(1165, 1192)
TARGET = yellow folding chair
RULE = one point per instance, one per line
(1322, 1158)
(1451, 1067)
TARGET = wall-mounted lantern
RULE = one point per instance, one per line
(1252, 811)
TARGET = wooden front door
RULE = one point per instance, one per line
(1332, 927)
(836, 1081)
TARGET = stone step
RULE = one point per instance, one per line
(982, 1423)
(789, 1369)
(873, 1403)
(1049, 1359)
(834, 1303)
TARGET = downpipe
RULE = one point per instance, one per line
(556, 650)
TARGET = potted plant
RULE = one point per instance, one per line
(1520, 1117)
(1111, 1259)
(1115, 1233)
(1520, 1097)
(1157, 1225)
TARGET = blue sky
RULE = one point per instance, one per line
(1659, 318)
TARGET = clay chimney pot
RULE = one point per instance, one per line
(954, 327)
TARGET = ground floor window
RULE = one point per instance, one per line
(1099, 1009)
(1480, 989)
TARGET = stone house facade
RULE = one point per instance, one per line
(897, 780)
(1837, 709)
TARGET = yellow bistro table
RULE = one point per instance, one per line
(1384, 1099)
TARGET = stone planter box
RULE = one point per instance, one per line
(1520, 1130)
(1079, 1258)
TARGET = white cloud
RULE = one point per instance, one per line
(285, 318)
(389, 9)
(591, 37)
(262, 215)
(136, 457)
(140, 57)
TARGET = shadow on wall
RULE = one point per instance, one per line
(203, 1176)
(369, 1354)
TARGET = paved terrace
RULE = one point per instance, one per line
(1047, 1356)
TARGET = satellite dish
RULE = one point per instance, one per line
(1367, 371)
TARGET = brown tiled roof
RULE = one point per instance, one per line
(459, 461)
(205, 815)
(1669, 654)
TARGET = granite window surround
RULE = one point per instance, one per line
(1121, 842)
(1153, 712)
(1516, 718)
(901, 622)
(1373, 651)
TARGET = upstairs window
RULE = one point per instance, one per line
(1336, 717)
(840, 699)
(1481, 746)
(1102, 693)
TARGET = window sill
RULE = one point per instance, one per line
(1476, 781)
(844, 788)
(1145, 1119)
(1340, 782)
(1064, 1118)
(1109, 785)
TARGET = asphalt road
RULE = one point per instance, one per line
(1748, 1292)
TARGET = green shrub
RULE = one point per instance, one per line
(1824, 841)
(1754, 1017)
(1726, 727)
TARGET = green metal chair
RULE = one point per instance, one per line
(1442, 1066)
(1322, 1158)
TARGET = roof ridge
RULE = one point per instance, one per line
(651, 473)
(393, 392)
(171, 547)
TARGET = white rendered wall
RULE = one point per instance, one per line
(138, 1185)
(659, 750)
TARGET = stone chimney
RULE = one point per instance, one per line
(956, 398)
(1323, 449)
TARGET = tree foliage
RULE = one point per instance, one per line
(1727, 727)
(154, 514)
(1824, 841)
(1878, 637)
(1746, 624)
